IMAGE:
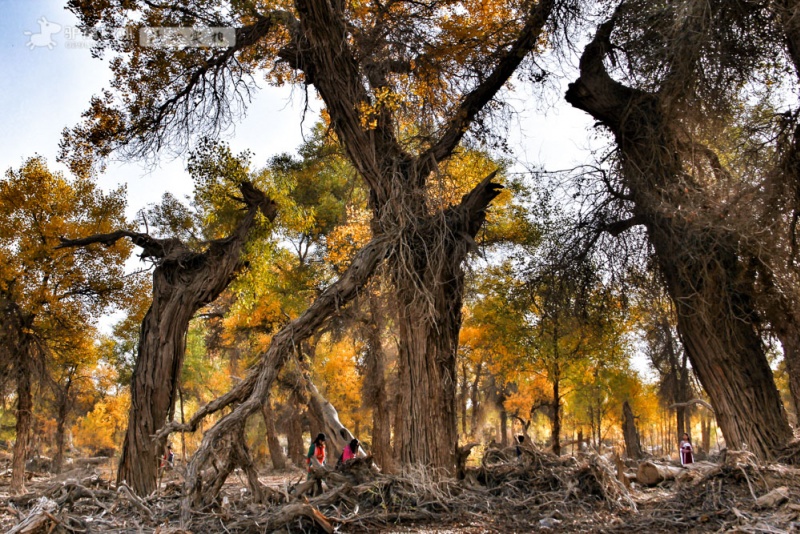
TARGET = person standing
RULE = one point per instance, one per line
(686, 450)
(315, 459)
(316, 452)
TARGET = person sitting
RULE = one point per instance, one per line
(351, 450)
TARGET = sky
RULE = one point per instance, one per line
(50, 77)
(46, 88)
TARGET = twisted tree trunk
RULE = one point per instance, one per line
(429, 284)
(705, 276)
(183, 282)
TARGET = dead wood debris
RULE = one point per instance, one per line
(537, 491)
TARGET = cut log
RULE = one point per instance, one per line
(650, 474)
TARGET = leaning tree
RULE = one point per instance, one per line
(402, 83)
(669, 123)
(185, 279)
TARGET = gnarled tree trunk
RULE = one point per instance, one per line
(183, 282)
(705, 276)
(374, 389)
(429, 286)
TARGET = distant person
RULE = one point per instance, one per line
(686, 450)
(168, 460)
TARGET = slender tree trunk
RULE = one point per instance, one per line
(294, 435)
(61, 423)
(555, 428)
(503, 426)
(24, 423)
(464, 386)
(275, 451)
(474, 392)
(633, 447)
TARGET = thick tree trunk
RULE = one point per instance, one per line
(24, 423)
(704, 272)
(183, 282)
(633, 447)
(429, 284)
(274, 446)
(651, 474)
(374, 390)
(427, 357)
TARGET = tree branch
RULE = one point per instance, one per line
(477, 99)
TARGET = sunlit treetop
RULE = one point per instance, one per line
(401, 81)
(38, 208)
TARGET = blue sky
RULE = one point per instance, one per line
(45, 90)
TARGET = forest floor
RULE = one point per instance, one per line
(538, 492)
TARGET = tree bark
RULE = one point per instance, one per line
(294, 435)
(61, 423)
(24, 423)
(474, 391)
(651, 474)
(275, 451)
(374, 390)
(183, 282)
(704, 274)
(633, 447)
(429, 290)
(555, 420)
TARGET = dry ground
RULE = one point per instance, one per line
(537, 492)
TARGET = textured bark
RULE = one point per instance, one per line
(555, 419)
(426, 261)
(633, 447)
(705, 277)
(327, 421)
(651, 474)
(376, 397)
(294, 435)
(61, 423)
(24, 423)
(183, 282)
(275, 451)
